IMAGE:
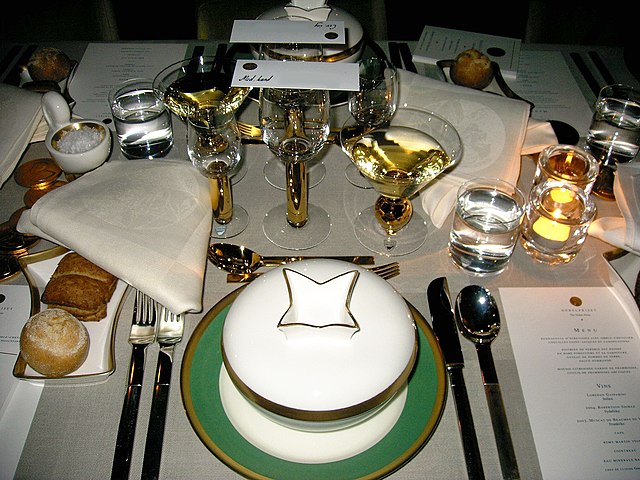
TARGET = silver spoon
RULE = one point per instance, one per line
(479, 321)
(240, 259)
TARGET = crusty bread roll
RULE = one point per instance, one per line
(54, 343)
(473, 69)
(49, 63)
(80, 287)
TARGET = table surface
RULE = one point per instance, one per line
(74, 429)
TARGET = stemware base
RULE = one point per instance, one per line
(236, 226)
(373, 237)
(275, 173)
(281, 233)
(240, 172)
(355, 177)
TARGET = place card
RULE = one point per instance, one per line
(296, 75)
(577, 350)
(270, 31)
(15, 305)
(445, 44)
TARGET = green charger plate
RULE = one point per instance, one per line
(201, 396)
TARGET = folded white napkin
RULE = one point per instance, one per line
(493, 130)
(146, 221)
(623, 232)
(20, 113)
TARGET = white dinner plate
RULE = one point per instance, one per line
(300, 446)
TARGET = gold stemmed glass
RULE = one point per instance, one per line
(295, 127)
(214, 148)
(399, 158)
(374, 103)
(292, 52)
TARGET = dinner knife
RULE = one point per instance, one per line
(143, 332)
(170, 331)
(444, 327)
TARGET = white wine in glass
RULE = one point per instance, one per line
(399, 159)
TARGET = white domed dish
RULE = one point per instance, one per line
(306, 447)
(319, 343)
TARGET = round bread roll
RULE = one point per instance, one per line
(472, 69)
(54, 343)
(49, 63)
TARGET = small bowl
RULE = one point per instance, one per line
(319, 345)
(58, 116)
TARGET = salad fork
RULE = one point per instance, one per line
(143, 332)
(170, 331)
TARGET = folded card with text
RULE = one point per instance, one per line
(445, 44)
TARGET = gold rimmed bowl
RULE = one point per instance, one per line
(319, 345)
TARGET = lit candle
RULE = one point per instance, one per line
(552, 230)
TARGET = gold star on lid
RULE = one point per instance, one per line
(319, 310)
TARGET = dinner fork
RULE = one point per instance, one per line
(386, 271)
(170, 331)
(143, 332)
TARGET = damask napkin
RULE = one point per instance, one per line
(20, 114)
(493, 129)
(146, 221)
(624, 231)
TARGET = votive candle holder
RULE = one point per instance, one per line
(557, 217)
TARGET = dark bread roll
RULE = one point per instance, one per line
(473, 69)
(49, 63)
(54, 343)
(80, 287)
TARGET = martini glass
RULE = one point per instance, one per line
(399, 158)
(292, 52)
(295, 126)
(198, 84)
(373, 104)
(214, 148)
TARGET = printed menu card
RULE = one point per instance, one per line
(577, 351)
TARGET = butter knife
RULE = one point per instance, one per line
(444, 326)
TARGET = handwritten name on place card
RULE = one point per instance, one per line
(296, 75)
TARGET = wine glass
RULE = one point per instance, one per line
(295, 126)
(292, 52)
(374, 103)
(214, 147)
(399, 158)
(200, 83)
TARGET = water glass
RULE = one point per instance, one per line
(486, 224)
(557, 217)
(142, 122)
(614, 134)
(567, 163)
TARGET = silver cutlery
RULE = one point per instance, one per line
(386, 271)
(143, 333)
(444, 327)
(170, 331)
(240, 259)
(478, 319)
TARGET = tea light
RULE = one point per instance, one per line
(569, 164)
(556, 221)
